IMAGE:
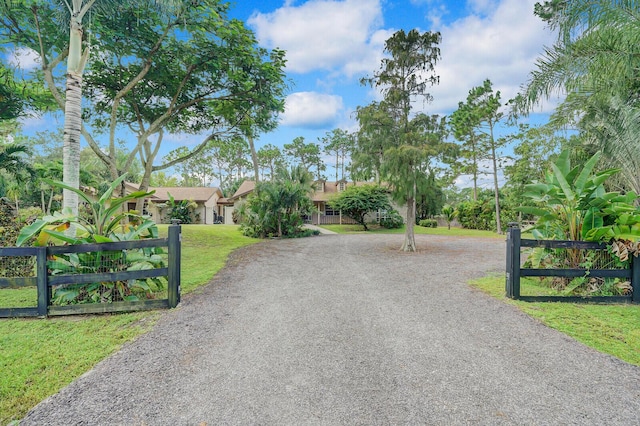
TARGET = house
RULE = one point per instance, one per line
(209, 202)
(323, 213)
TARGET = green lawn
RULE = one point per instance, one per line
(612, 329)
(377, 229)
(38, 357)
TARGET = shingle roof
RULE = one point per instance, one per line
(179, 193)
(330, 188)
(245, 187)
(185, 193)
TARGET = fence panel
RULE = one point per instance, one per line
(514, 270)
(112, 269)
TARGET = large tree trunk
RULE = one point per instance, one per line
(73, 118)
(71, 146)
(409, 237)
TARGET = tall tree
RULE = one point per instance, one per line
(596, 62)
(170, 87)
(270, 159)
(405, 75)
(470, 153)
(481, 115)
(152, 74)
(338, 143)
(22, 25)
(306, 154)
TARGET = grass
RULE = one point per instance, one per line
(38, 357)
(611, 329)
(377, 229)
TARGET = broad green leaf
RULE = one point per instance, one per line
(562, 182)
(586, 172)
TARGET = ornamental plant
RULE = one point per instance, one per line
(572, 204)
(104, 221)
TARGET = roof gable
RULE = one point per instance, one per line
(179, 193)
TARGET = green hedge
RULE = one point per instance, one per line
(428, 223)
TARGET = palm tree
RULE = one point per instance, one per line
(596, 62)
(298, 174)
(76, 60)
(597, 50)
(13, 161)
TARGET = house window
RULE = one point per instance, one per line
(328, 211)
(341, 186)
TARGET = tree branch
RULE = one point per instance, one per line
(193, 153)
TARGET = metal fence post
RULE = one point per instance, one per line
(42, 281)
(635, 279)
(175, 240)
(512, 285)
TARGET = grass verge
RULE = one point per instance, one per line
(377, 229)
(611, 329)
(38, 357)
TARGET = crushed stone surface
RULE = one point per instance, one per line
(347, 330)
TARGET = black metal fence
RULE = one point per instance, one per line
(515, 270)
(43, 281)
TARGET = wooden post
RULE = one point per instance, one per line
(175, 239)
(512, 286)
(635, 279)
(42, 282)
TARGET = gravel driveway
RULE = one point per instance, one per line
(344, 329)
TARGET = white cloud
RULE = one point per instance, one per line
(32, 121)
(485, 176)
(312, 110)
(24, 58)
(502, 46)
(324, 34)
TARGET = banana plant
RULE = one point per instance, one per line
(570, 201)
(103, 222)
(104, 217)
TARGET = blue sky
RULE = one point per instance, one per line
(331, 44)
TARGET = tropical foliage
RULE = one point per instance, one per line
(181, 210)
(357, 201)
(572, 204)
(572, 201)
(105, 222)
(594, 61)
(278, 208)
(449, 214)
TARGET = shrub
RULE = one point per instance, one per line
(102, 222)
(182, 210)
(477, 215)
(275, 209)
(356, 201)
(393, 220)
(428, 223)
(14, 266)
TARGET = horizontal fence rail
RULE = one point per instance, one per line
(514, 270)
(43, 281)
